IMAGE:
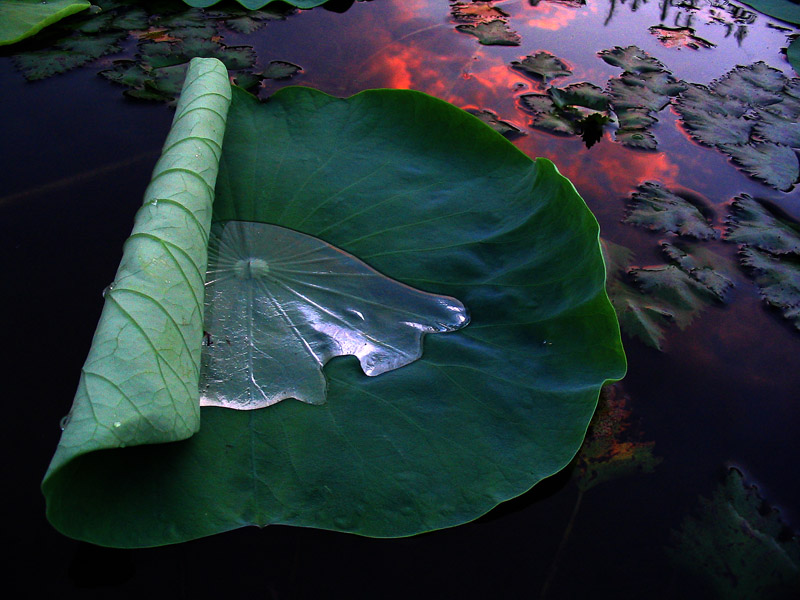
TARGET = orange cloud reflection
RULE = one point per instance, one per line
(552, 16)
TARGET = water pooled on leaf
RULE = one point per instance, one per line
(285, 303)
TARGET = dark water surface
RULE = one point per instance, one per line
(77, 155)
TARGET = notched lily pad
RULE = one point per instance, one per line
(658, 209)
(774, 164)
(758, 224)
(631, 59)
(542, 66)
(738, 544)
(280, 304)
(778, 280)
(280, 69)
(491, 33)
(504, 128)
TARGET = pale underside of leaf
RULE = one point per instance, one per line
(280, 304)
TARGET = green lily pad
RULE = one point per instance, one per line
(399, 180)
(738, 545)
(684, 294)
(560, 110)
(542, 66)
(20, 19)
(631, 59)
(757, 224)
(774, 164)
(709, 269)
(775, 128)
(658, 209)
(635, 119)
(582, 94)
(636, 138)
(491, 33)
(280, 69)
(777, 278)
(756, 85)
(70, 54)
(504, 128)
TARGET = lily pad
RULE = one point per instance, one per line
(738, 544)
(477, 11)
(542, 66)
(70, 54)
(560, 110)
(774, 164)
(504, 128)
(778, 280)
(582, 94)
(399, 180)
(20, 19)
(658, 209)
(257, 4)
(757, 224)
(707, 268)
(636, 138)
(757, 84)
(631, 59)
(280, 69)
(491, 33)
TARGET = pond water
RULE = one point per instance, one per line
(77, 155)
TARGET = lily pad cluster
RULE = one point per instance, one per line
(752, 114)
(644, 88)
(485, 21)
(738, 544)
(769, 249)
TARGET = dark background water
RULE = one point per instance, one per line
(76, 157)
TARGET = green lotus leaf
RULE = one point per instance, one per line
(20, 19)
(419, 191)
(774, 164)
(631, 59)
(491, 33)
(757, 224)
(785, 10)
(658, 209)
(542, 66)
(738, 544)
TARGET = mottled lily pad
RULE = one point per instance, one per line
(711, 270)
(777, 278)
(542, 66)
(71, 53)
(582, 94)
(491, 33)
(571, 110)
(757, 84)
(685, 295)
(738, 544)
(280, 69)
(658, 209)
(477, 11)
(757, 224)
(778, 129)
(631, 59)
(774, 164)
(504, 128)
(636, 138)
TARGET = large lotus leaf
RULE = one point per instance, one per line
(786, 10)
(20, 19)
(426, 194)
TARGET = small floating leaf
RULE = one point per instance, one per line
(755, 224)
(658, 209)
(280, 69)
(542, 66)
(778, 280)
(582, 94)
(739, 545)
(631, 59)
(280, 304)
(504, 128)
(636, 138)
(477, 11)
(773, 164)
(69, 54)
(491, 33)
